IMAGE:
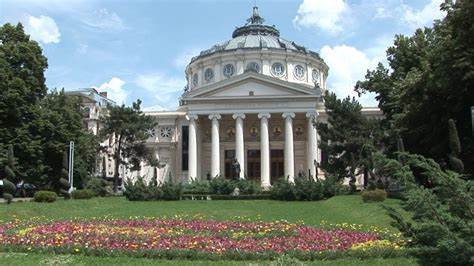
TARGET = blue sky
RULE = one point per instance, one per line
(139, 49)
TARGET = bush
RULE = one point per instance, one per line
(221, 186)
(138, 190)
(247, 187)
(83, 194)
(302, 189)
(197, 187)
(8, 187)
(100, 186)
(8, 197)
(376, 195)
(45, 196)
(171, 191)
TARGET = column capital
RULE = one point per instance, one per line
(215, 116)
(238, 115)
(191, 117)
(264, 115)
(312, 114)
(288, 115)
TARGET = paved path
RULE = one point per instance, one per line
(2, 200)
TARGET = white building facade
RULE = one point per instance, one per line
(254, 98)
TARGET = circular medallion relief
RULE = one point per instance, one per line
(230, 132)
(195, 80)
(278, 69)
(209, 74)
(277, 131)
(299, 72)
(253, 131)
(299, 130)
(165, 132)
(228, 70)
(253, 66)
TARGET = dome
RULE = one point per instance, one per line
(259, 48)
(256, 35)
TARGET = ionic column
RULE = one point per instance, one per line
(312, 156)
(192, 146)
(215, 151)
(289, 150)
(239, 142)
(264, 150)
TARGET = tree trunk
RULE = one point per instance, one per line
(366, 177)
(117, 164)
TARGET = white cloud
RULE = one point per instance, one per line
(425, 16)
(104, 20)
(165, 89)
(42, 29)
(115, 90)
(347, 65)
(326, 15)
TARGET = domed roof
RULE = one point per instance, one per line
(255, 35)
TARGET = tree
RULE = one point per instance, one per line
(348, 138)
(61, 122)
(441, 206)
(130, 129)
(429, 79)
(22, 86)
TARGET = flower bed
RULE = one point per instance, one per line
(191, 238)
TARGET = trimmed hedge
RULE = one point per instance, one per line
(45, 196)
(83, 194)
(376, 195)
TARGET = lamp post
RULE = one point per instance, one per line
(71, 166)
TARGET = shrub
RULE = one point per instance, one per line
(247, 187)
(100, 186)
(45, 196)
(8, 187)
(197, 187)
(138, 190)
(376, 195)
(282, 190)
(83, 194)
(171, 191)
(8, 197)
(221, 186)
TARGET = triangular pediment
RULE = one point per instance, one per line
(251, 84)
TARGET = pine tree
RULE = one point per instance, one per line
(455, 147)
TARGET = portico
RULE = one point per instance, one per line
(255, 139)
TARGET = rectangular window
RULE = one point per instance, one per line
(184, 148)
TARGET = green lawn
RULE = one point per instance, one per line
(340, 209)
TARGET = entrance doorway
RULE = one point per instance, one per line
(229, 156)
(253, 165)
(277, 170)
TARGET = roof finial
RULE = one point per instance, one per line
(255, 18)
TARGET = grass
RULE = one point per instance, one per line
(340, 209)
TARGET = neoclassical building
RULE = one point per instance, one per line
(254, 98)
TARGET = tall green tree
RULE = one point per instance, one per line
(61, 122)
(38, 125)
(430, 79)
(22, 86)
(348, 138)
(130, 128)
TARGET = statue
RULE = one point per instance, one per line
(235, 169)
